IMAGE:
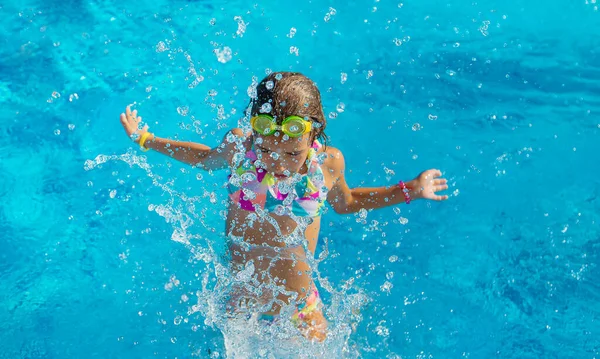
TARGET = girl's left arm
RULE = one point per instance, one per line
(344, 199)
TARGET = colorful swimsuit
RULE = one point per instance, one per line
(255, 188)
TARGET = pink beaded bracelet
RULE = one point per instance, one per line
(405, 191)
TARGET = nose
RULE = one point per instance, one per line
(279, 168)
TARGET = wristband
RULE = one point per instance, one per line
(143, 141)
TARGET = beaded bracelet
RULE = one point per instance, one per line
(405, 191)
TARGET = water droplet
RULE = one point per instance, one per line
(173, 340)
(266, 108)
(71, 126)
(340, 107)
(274, 155)
(161, 47)
(280, 210)
(343, 77)
(294, 50)
(329, 14)
(278, 77)
(432, 117)
(386, 287)
(381, 330)
(177, 320)
(362, 213)
(183, 110)
(450, 72)
(57, 132)
(224, 55)
(269, 85)
(393, 258)
(241, 26)
(332, 115)
(292, 32)
(113, 193)
(416, 127)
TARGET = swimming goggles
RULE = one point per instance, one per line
(293, 126)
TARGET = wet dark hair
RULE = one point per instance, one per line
(283, 94)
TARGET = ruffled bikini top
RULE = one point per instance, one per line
(254, 188)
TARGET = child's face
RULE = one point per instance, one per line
(282, 155)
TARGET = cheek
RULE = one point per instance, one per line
(294, 162)
(291, 163)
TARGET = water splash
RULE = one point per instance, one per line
(245, 334)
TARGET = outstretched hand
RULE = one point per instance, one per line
(131, 123)
(427, 185)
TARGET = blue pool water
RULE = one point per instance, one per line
(501, 95)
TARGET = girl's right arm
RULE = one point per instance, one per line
(195, 154)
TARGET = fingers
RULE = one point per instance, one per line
(433, 173)
(433, 184)
(130, 117)
(430, 174)
(440, 188)
(440, 182)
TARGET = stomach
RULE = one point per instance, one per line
(270, 260)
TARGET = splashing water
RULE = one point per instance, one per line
(245, 334)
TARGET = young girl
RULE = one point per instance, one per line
(281, 176)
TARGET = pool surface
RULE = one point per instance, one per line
(108, 252)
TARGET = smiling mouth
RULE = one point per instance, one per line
(280, 176)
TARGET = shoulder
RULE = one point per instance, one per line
(234, 141)
(235, 136)
(334, 159)
(238, 132)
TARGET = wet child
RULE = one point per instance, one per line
(281, 175)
